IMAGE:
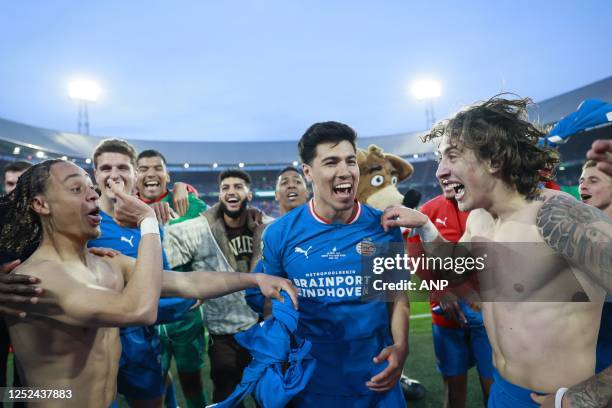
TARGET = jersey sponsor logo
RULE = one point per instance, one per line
(330, 284)
(299, 250)
(443, 222)
(129, 241)
(366, 247)
(333, 254)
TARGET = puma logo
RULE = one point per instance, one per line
(301, 251)
(129, 241)
(443, 222)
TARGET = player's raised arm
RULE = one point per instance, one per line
(207, 285)
(580, 233)
(399, 216)
(83, 304)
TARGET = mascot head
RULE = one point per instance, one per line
(379, 174)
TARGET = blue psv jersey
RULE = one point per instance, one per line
(126, 241)
(324, 260)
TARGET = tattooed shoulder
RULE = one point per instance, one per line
(580, 233)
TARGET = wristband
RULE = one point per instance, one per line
(149, 225)
(428, 232)
(559, 397)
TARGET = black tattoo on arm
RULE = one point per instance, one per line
(581, 233)
(593, 393)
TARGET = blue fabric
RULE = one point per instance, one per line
(140, 369)
(604, 341)
(273, 344)
(324, 260)
(140, 374)
(170, 398)
(253, 296)
(504, 394)
(126, 241)
(590, 113)
(459, 349)
(474, 318)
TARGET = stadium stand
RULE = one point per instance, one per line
(264, 159)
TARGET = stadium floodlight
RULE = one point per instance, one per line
(88, 160)
(17, 150)
(415, 156)
(241, 165)
(83, 91)
(64, 158)
(215, 165)
(295, 163)
(186, 165)
(426, 89)
(40, 154)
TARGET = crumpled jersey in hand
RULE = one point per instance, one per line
(274, 346)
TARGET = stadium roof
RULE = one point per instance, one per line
(278, 152)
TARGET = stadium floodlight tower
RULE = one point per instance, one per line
(84, 92)
(427, 90)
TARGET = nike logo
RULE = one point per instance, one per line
(129, 241)
(301, 251)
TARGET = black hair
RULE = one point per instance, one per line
(324, 132)
(20, 226)
(288, 168)
(19, 165)
(151, 153)
(235, 173)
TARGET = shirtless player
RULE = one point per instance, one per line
(489, 154)
(70, 341)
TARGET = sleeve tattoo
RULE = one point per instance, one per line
(580, 233)
(593, 393)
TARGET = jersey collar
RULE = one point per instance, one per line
(354, 216)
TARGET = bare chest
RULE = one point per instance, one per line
(99, 273)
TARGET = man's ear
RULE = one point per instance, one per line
(493, 166)
(250, 196)
(306, 170)
(40, 205)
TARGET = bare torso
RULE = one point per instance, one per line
(541, 340)
(55, 354)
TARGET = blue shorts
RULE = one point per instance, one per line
(459, 349)
(140, 367)
(504, 394)
(604, 341)
(390, 399)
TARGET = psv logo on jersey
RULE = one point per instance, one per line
(366, 247)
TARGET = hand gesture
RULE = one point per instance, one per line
(270, 286)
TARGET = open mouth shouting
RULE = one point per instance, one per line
(457, 189)
(343, 190)
(292, 196)
(585, 197)
(94, 217)
(151, 187)
(232, 201)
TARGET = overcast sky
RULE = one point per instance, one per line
(266, 70)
